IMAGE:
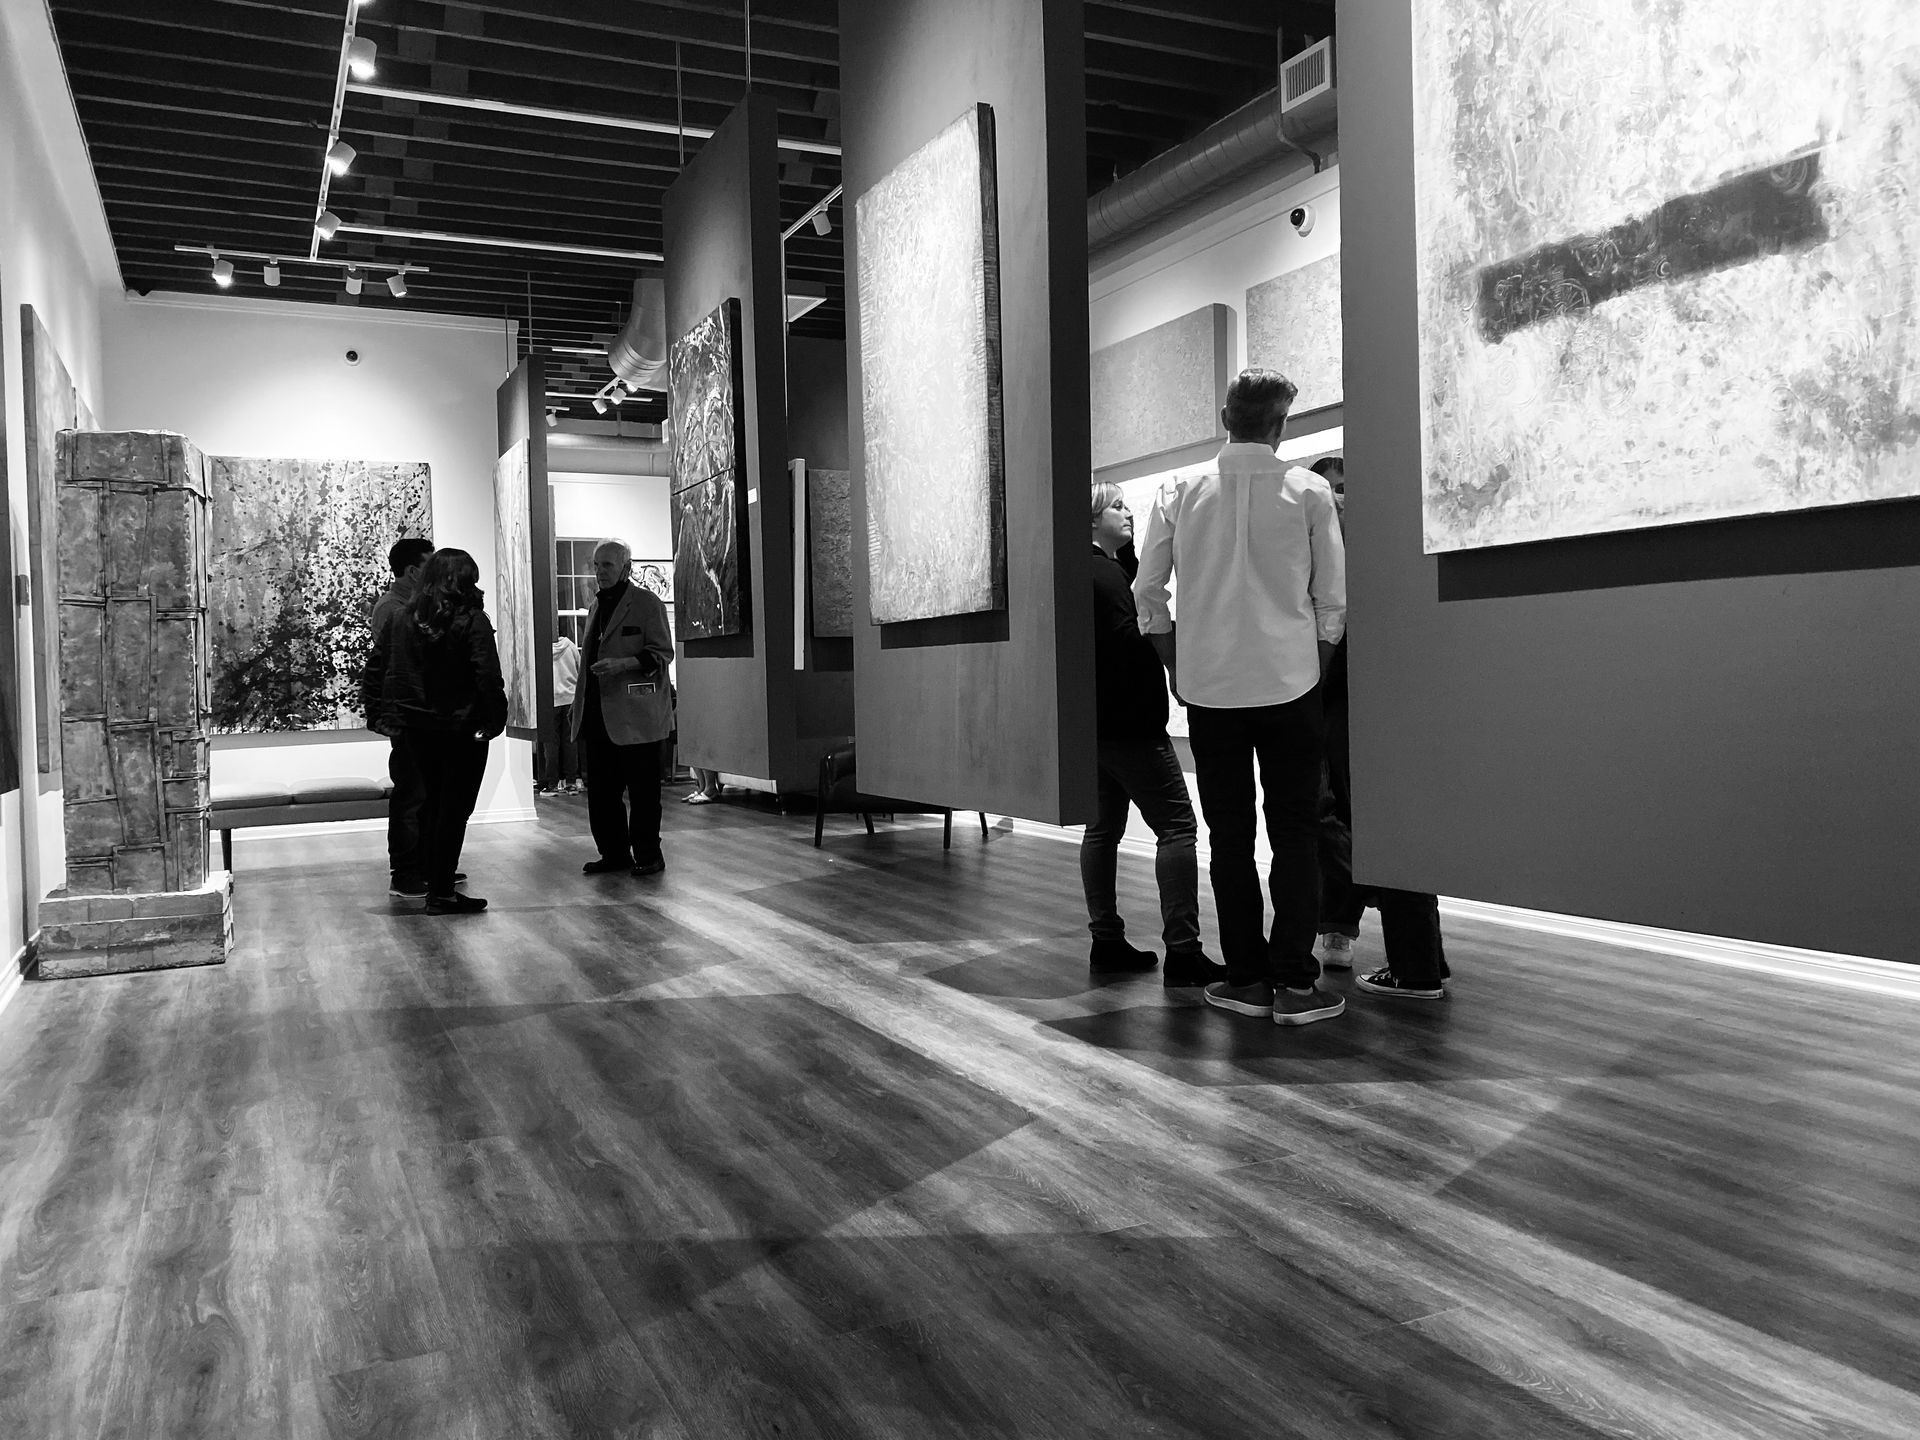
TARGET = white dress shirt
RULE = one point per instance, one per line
(1255, 546)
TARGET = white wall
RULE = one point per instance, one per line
(242, 375)
(633, 508)
(56, 255)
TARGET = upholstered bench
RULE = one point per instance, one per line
(304, 802)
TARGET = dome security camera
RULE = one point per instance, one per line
(1302, 219)
(353, 357)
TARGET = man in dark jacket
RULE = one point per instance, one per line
(408, 880)
(1138, 766)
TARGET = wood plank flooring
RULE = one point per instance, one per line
(843, 1143)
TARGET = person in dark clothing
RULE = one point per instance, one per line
(434, 685)
(1416, 965)
(408, 879)
(1138, 766)
(622, 712)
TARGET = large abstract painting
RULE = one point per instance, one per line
(51, 406)
(513, 586)
(930, 389)
(1160, 390)
(9, 666)
(709, 543)
(1294, 326)
(830, 551)
(1667, 255)
(299, 556)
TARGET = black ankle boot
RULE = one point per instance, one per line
(1114, 956)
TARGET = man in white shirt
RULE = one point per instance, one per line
(1255, 544)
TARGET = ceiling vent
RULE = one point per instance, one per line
(1307, 83)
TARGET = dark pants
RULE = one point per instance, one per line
(1144, 773)
(404, 856)
(1289, 743)
(1409, 919)
(559, 756)
(450, 768)
(623, 793)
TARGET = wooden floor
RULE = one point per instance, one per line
(842, 1143)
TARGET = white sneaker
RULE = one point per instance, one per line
(1336, 952)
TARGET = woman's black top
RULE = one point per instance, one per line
(451, 684)
(1130, 684)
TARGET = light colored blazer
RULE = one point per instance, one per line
(636, 704)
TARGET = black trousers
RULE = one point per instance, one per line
(623, 792)
(450, 768)
(559, 756)
(404, 856)
(1288, 741)
(1409, 919)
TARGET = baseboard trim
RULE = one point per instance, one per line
(16, 973)
(1850, 972)
(348, 827)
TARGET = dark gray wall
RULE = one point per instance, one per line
(989, 712)
(521, 403)
(1708, 728)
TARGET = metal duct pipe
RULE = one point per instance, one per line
(1250, 137)
(638, 353)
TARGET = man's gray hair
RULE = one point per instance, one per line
(626, 550)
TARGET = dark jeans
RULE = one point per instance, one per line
(559, 755)
(1409, 919)
(403, 815)
(623, 793)
(1289, 743)
(450, 768)
(1144, 773)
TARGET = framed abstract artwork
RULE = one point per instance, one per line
(1294, 325)
(928, 279)
(1665, 261)
(299, 555)
(709, 446)
(51, 406)
(512, 596)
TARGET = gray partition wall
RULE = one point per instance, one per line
(1709, 728)
(521, 403)
(990, 711)
(743, 707)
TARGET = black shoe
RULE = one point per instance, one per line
(403, 888)
(604, 866)
(1190, 969)
(1385, 982)
(455, 904)
(1114, 956)
(651, 867)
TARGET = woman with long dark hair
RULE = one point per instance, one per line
(437, 673)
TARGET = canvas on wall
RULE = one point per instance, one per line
(50, 407)
(1294, 326)
(709, 446)
(1666, 256)
(930, 383)
(299, 555)
(1160, 390)
(9, 666)
(513, 585)
(830, 551)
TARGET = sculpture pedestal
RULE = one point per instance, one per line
(119, 934)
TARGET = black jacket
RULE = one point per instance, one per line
(1130, 684)
(451, 685)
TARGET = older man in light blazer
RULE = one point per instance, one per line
(622, 711)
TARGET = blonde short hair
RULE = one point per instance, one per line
(1105, 495)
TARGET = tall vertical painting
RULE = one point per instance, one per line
(830, 551)
(513, 585)
(928, 276)
(299, 555)
(709, 447)
(9, 663)
(51, 406)
(1294, 326)
(1666, 261)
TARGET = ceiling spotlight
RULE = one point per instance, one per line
(398, 285)
(354, 280)
(271, 274)
(340, 157)
(328, 224)
(600, 404)
(823, 223)
(360, 56)
(222, 272)
(553, 418)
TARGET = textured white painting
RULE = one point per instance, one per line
(1294, 326)
(513, 585)
(929, 314)
(1667, 261)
